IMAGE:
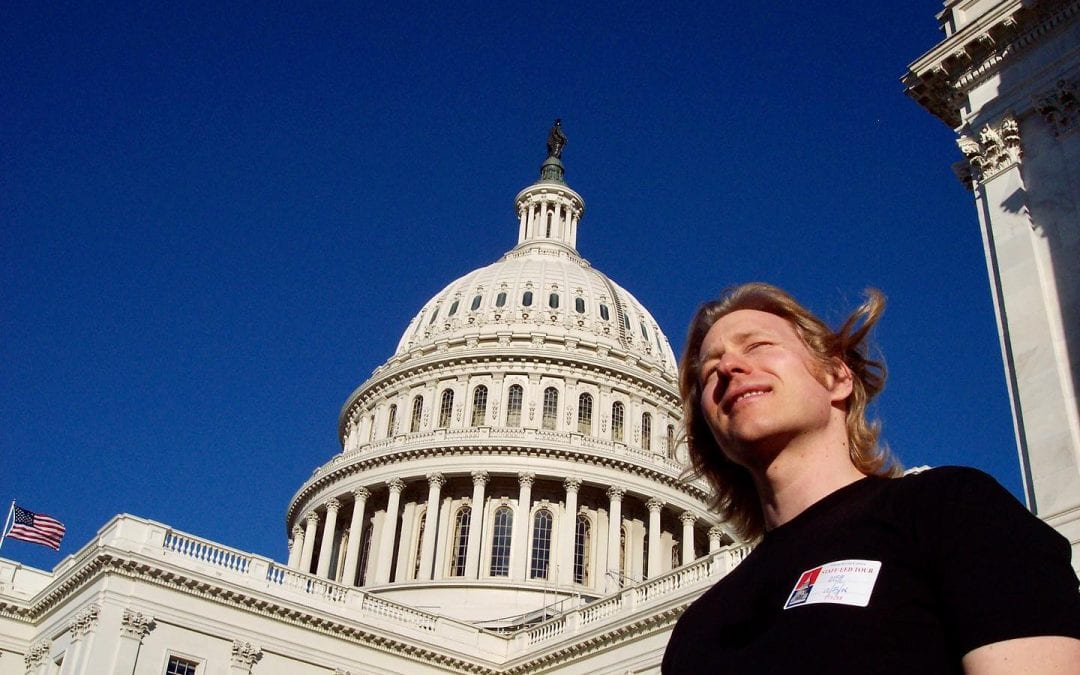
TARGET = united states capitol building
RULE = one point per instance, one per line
(509, 495)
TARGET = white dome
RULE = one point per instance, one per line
(541, 289)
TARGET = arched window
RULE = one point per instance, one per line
(500, 541)
(582, 544)
(391, 421)
(453, 310)
(446, 407)
(584, 414)
(365, 551)
(625, 320)
(551, 408)
(513, 405)
(462, 522)
(526, 298)
(553, 301)
(618, 414)
(434, 315)
(550, 218)
(579, 305)
(417, 414)
(604, 313)
(644, 330)
(646, 431)
(419, 544)
(671, 441)
(479, 405)
(475, 303)
(500, 300)
(541, 544)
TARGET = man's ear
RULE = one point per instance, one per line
(840, 380)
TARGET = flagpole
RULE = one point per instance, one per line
(7, 521)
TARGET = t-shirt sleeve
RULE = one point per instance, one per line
(1000, 572)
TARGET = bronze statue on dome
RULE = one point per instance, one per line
(556, 140)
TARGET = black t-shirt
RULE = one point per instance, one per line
(886, 575)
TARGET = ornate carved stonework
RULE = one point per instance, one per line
(361, 494)
(997, 149)
(616, 493)
(395, 485)
(84, 621)
(244, 654)
(688, 517)
(436, 479)
(654, 504)
(332, 505)
(526, 478)
(572, 484)
(480, 477)
(135, 624)
(37, 654)
(716, 532)
(1060, 108)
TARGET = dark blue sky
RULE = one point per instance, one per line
(217, 220)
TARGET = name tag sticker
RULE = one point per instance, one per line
(844, 582)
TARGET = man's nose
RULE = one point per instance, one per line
(731, 363)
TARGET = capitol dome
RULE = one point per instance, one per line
(518, 453)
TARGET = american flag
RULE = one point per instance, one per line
(37, 528)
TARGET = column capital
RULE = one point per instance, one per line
(332, 505)
(688, 518)
(395, 485)
(654, 504)
(244, 654)
(526, 478)
(1060, 107)
(312, 518)
(135, 624)
(616, 493)
(572, 484)
(996, 149)
(436, 479)
(85, 620)
(480, 477)
(297, 531)
(716, 532)
(37, 654)
(361, 494)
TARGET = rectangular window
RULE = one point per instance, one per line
(181, 666)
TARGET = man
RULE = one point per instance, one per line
(857, 570)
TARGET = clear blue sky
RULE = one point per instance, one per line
(217, 219)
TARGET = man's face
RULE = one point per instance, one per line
(761, 387)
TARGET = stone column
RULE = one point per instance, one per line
(326, 550)
(389, 530)
(615, 495)
(133, 628)
(476, 525)
(309, 542)
(82, 630)
(654, 505)
(356, 532)
(431, 521)
(567, 530)
(519, 545)
(296, 547)
(244, 656)
(688, 519)
(715, 534)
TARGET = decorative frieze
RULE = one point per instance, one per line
(1060, 108)
(84, 621)
(997, 149)
(136, 624)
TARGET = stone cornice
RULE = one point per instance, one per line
(941, 79)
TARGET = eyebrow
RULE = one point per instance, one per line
(739, 338)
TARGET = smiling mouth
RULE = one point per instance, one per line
(745, 396)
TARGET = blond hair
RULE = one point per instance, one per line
(735, 494)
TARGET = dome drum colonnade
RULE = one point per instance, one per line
(529, 405)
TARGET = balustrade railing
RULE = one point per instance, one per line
(197, 549)
(306, 583)
(547, 630)
(401, 613)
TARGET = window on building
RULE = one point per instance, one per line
(604, 313)
(513, 405)
(417, 414)
(434, 315)
(453, 309)
(526, 298)
(479, 405)
(579, 305)
(671, 441)
(644, 331)
(675, 561)
(446, 408)
(391, 420)
(419, 543)
(500, 541)
(618, 414)
(371, 428)
(553, 301)
(551, 408)
(624, 557)
(365, 552)
(646, 431)
(550, 218)
(500, 300)
(541, 544)
(475, 303)
(584, 414)
(181, 666)
(582, 544)
(462, 522)
(625, 321)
